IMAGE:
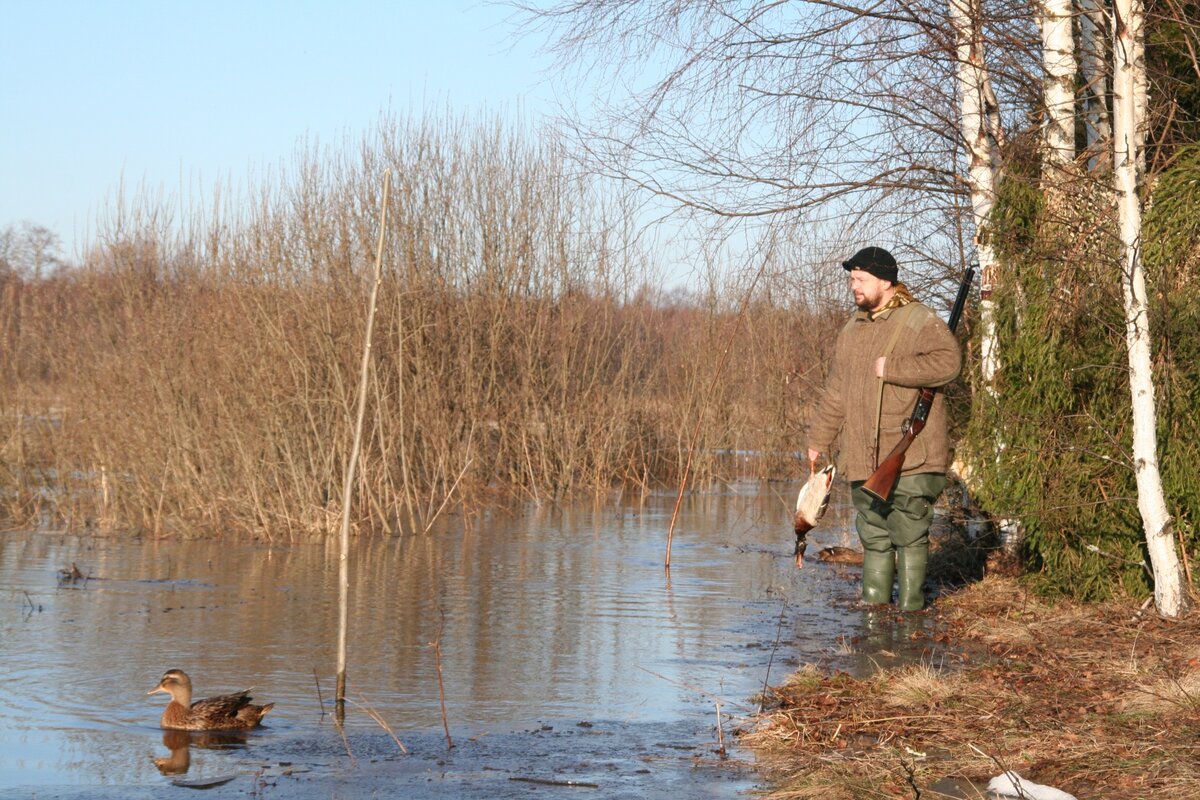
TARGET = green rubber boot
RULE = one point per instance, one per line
(878, 568)
(910, 567)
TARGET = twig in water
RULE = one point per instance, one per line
(548, 782)
(720, 732)
(352, 460)
(687, 464)
(320, 699)
(450, 493)
(766, 678)
(437, 652)
(341, 726)
(375, 715)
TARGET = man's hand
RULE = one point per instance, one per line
(813, 455)
(879, 366)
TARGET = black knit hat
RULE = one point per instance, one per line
(876, 261)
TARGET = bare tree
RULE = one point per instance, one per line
(779, 112)
(30, 250)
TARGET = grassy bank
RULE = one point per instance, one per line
(1099, 701)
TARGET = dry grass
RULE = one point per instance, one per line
(196, 376)
(1097, 701)
(920, 685)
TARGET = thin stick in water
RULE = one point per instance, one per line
(766, 678)
(437, 653)
(320, 698)
(375, 715)
(348, 484)
(687, 464)
(720, 731)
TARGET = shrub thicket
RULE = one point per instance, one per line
(198, 375)
(1052, 447)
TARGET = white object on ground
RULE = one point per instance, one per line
(1010, 784)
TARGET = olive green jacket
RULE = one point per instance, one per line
(924, 353)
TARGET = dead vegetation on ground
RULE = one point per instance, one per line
(1099, 701)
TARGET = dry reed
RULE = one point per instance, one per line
(196, 375)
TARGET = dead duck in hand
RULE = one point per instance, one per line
(223, 713)
(810, 506)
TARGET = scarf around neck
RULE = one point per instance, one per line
(901, 298)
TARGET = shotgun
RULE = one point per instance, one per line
(883, 479)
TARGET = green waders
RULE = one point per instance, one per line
(895, 538)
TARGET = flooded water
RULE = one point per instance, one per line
(567, 655)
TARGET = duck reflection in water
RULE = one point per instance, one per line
(180, 744)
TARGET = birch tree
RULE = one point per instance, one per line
(1129, 125)
(1058, 58)
(1093, 64)
(982, 136)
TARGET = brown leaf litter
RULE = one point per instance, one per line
(1099, 701)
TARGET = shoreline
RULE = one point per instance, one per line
(1096, 700)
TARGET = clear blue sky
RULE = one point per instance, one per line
(169, 94)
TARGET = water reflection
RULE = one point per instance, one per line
(180, 744)
(544, 617)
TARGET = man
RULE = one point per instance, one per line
(891, 348)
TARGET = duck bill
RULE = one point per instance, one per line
(158, 689)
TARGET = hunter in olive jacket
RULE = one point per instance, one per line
(921, 351)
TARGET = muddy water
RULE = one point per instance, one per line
(568, 656)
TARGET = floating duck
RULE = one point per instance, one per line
(837, 554)
(71, 575)
(226, 712)
(810, 506)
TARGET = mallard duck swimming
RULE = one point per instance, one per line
(840, 555)
(226, 712)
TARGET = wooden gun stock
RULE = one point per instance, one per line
(883, 480)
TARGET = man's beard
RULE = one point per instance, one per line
(868, 302)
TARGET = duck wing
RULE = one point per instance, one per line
(228, 710)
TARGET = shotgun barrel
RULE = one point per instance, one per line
(883, 480)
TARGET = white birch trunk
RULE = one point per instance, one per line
(981, 132)
(1093, 54)
(1058, 85)
(976, 123)
(1129, 115)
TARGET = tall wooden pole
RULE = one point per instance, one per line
(348, 484)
